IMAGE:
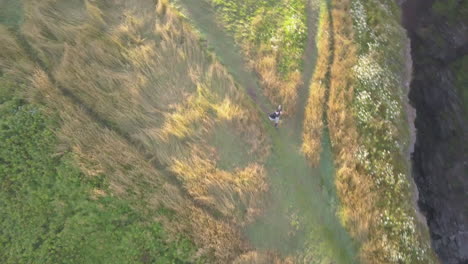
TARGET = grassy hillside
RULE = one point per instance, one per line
(53, 213)
(132, 143)
(141, 104)
(367, 123)
(272, 35)
(300, 217)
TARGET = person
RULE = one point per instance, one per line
(275, 116)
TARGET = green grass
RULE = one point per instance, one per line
(233, 151)
(272, 35)
(299, 220)
(270, 25)
(50, 213)
(10, 12)
(177, 116)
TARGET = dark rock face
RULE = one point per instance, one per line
(440, 158)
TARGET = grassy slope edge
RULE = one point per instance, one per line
(368, 129)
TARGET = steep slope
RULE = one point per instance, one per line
(365, 78)
(439, 40)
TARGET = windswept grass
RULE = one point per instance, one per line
(139, 100)
(315, 108)
(300, 219)
(352, 187)
(272, 35)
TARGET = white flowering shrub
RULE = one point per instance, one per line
(359, 17)
(379, 111)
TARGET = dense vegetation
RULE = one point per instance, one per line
(303, 222)
(273, 35)
(379, 107)
(277, 24)
(53, 213)
(144, 113)
(142, 104)
(367, 122)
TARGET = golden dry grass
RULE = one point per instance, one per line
(138, 99)
(261, 257)
(314, 112)
(362, 202)
(335, 79)
(13, 62)
(279, 90)
(352, 185)
(358, 211)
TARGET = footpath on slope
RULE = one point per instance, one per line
(301, 213)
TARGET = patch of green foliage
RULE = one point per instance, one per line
(460, 68)
(48, 213)
(270, 25)
(10, 12)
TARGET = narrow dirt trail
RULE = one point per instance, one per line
(300, 216)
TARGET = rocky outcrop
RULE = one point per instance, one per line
(440, 157)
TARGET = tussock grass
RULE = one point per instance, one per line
(138, 100)
(315, 108)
